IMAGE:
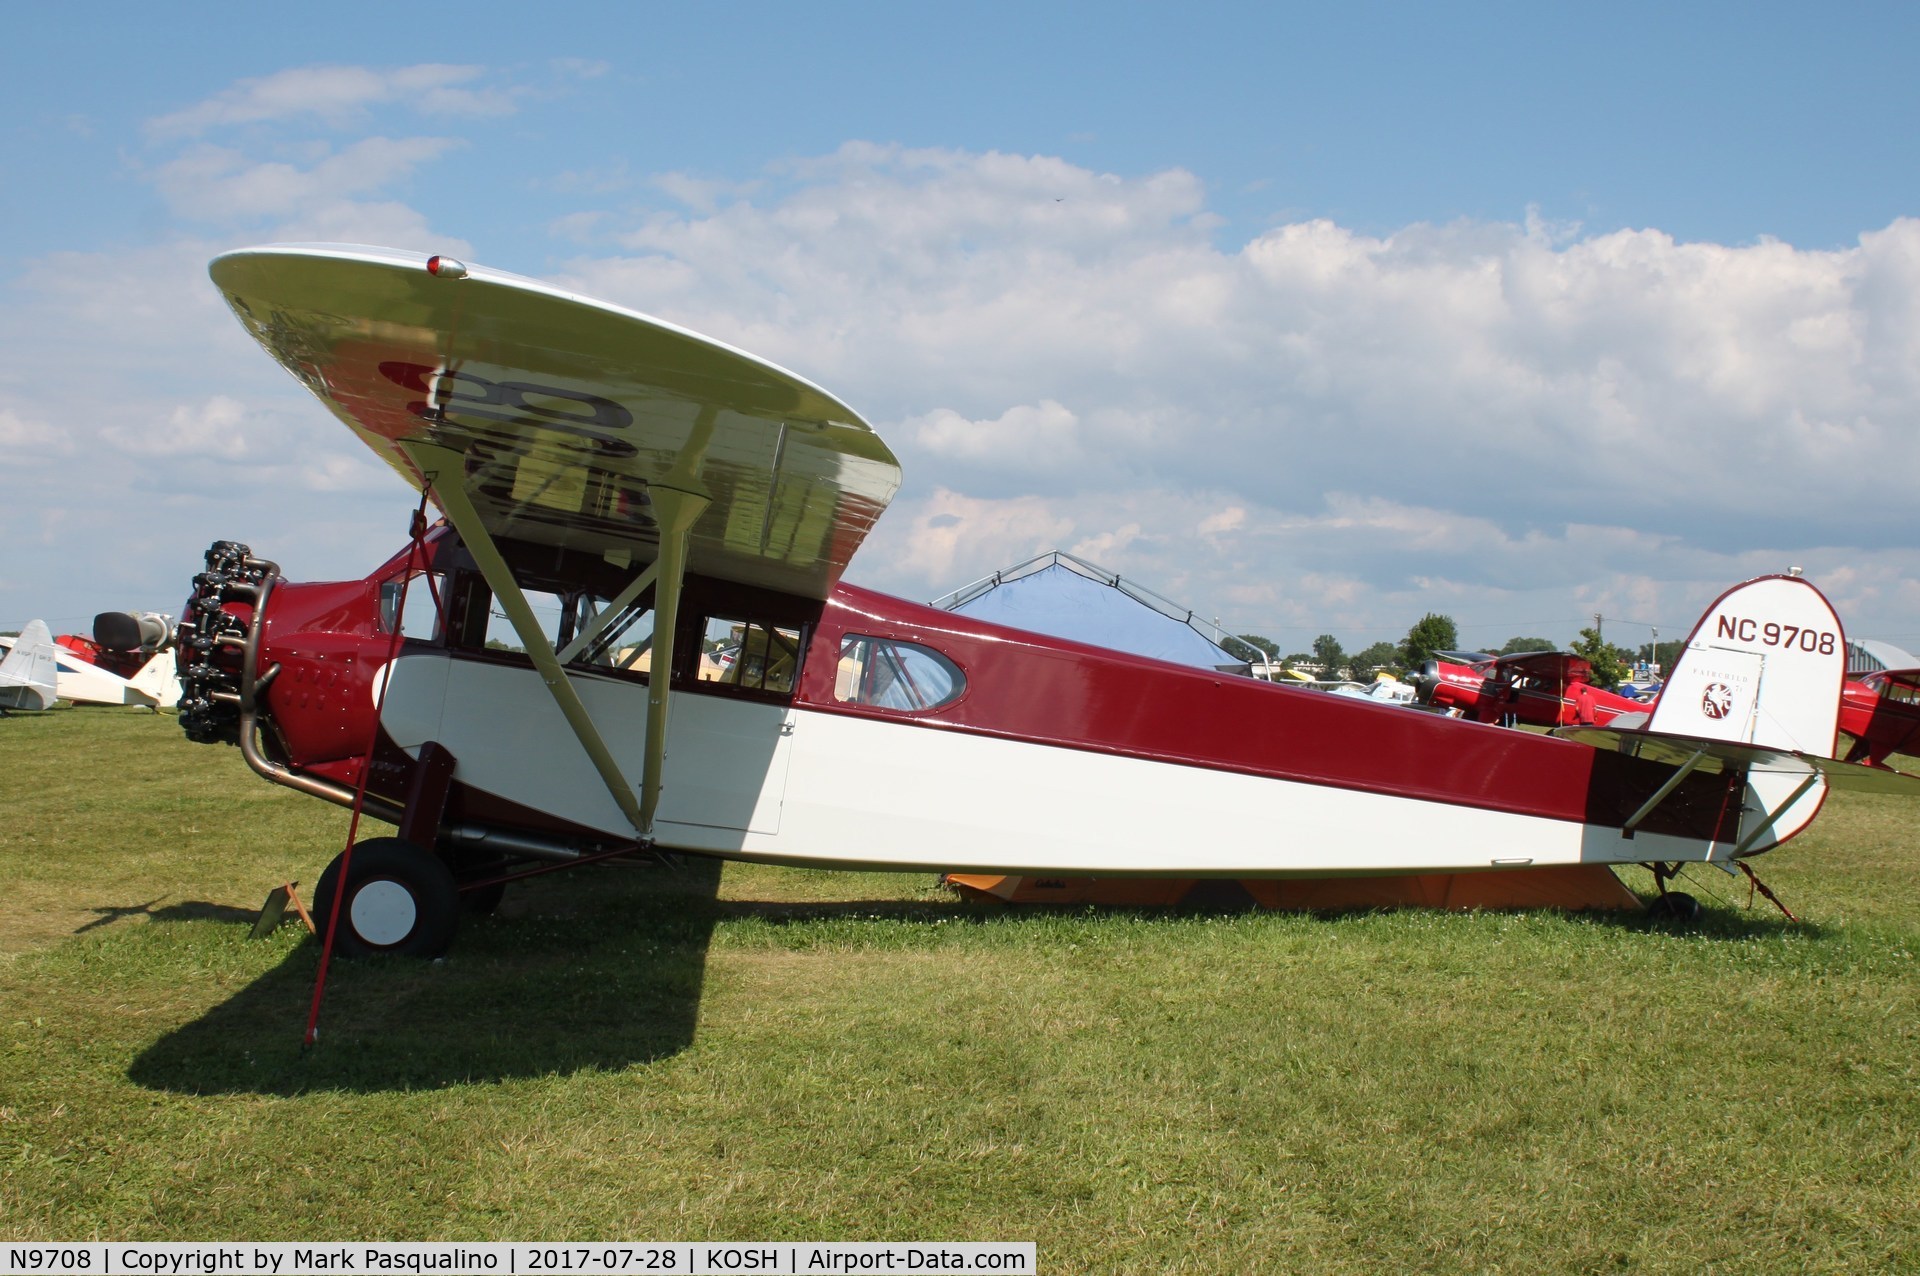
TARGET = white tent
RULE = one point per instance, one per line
(1068, 597)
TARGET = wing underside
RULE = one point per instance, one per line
(567, 413)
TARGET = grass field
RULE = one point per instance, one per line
(761, 1054)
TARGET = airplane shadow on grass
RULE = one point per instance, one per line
(192, 910)
(601, 972)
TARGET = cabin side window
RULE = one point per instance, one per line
(574, 624)
(1898, 692)
(885, 673)
(421, 618)
(547, 608)
(753, 655)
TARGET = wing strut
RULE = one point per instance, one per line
(678, 503)
(610, 611)
(445, 470)
(675, 512)
(1773, 817)
(1666, 790)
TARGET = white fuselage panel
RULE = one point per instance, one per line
(791, 785)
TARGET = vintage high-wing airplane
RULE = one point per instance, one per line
(621, 489)
(1541, 688)
(27, 669)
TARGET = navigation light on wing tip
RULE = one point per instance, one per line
(446, 267)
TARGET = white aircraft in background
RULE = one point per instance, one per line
(129, 660)
(27, 671)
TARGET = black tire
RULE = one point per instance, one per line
(399, 899)
(485, 901)
(1675, 907)
(468, 867)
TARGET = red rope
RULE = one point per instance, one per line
(419, 529)
(1753, 880)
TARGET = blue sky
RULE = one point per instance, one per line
(1316, 318)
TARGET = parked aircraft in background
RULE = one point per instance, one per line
(1384, 689)
(1541, 688)
(128, 660)
(27, 669)
(1880, 712)
(646, 488)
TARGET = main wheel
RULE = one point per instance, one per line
(398, 898)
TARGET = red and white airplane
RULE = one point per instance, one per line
(1541, 688)
(625, 491)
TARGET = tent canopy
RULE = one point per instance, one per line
(1069, 597)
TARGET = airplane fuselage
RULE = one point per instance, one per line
(868, 731)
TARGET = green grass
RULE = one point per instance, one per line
(689, 1054)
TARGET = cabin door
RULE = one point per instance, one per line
(726, 762)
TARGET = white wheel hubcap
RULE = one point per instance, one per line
(383, 912)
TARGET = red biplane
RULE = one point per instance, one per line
(1880, 712)
(1541, 688)
(625, 493)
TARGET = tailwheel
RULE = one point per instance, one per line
(1671, 907)
(397, 898)
(1675, 907)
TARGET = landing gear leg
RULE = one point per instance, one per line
(1673, 907)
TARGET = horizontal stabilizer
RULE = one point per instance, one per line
(1715, 757)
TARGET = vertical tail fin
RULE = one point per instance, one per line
(158, 680)
(28, 674)
(1765, 666)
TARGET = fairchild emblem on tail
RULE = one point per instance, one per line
(1717, 701)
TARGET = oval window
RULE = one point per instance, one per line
(888, 674)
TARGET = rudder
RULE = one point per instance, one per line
(29, 672)
(1764, 666)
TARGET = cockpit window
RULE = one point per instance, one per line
(888, 674)
(581, 630)
(754, 655)
(421, 619)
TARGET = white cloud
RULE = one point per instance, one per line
(215, 429)
(1025, 437)
(1548, 410)
(336, 96)
(943, 537)
(221, 184)
(25, 441)
(1313, 429)
(1227, 520)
